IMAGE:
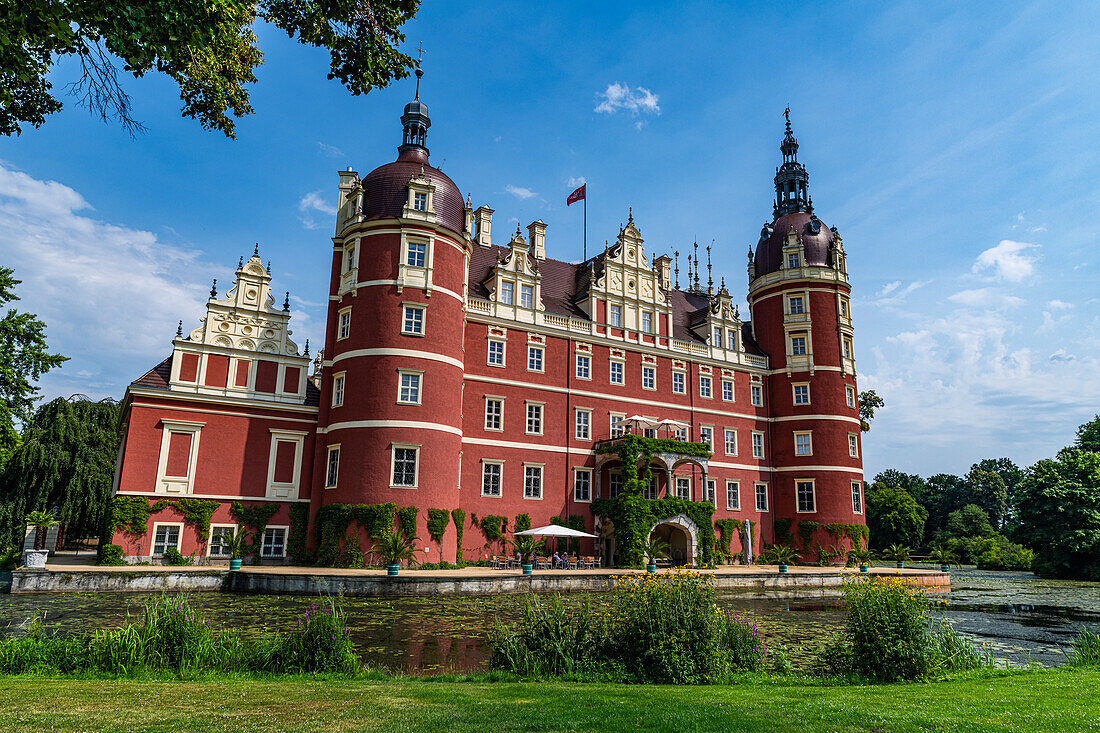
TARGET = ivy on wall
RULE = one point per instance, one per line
(522, 523)
(638, 444)
(806, 529)
(458, 516)
(332, 522)
(727, 529)
(299, 529)
(858, 534)
(256, 517)
(493, 527)
(783, 534)
(131, 513)
(437, 524)
(406, 518)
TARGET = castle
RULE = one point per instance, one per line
(462, 373)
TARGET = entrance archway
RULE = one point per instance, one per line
(681, 534)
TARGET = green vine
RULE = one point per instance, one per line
(649, 446)
(493, 527)
(299, 529)
(332, 522)
(131, 513)
(633, 517)
(406, 518)
(522, 523)
(727, 529)
(458, 516)
(857, 534)
(256, 517)
(783, 534)
(437, 524)
(806, 530)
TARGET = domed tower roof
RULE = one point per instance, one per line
(386, 186)
(793, 209)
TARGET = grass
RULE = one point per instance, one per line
(1033, 700)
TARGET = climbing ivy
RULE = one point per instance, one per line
(256, 517)
(636, 444)
(522, 523)
(727, 529)
(858, 534)
(458, 516)
(332, 522)
(406, 518)
(806, 530)
(131, 513)
(299, 529)
(493, 527)
(634, 516)
(437, 524)
(783, 534)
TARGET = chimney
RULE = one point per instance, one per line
(536, 237)
(663, 266)
(483, 224)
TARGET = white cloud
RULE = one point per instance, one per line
(574, 182)
(889, 288)
(520, 192)
(986, 298)
(330, 150)
(638, 100)
(309, 205)
(1062, 355)
(1058, 305)
(1009, 260)
(892, 293)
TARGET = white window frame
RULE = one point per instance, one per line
(419, 382)
(706, 436)
(531, 350)
(621, 371)
(736, 486)
(613, 478)
(650, 372)
(848, 348)
(339, 384)
(647, 322)
(418, 198)
(850, 395)
(153, 540)
(794, 393)
(758, 445)
(711, 489)
(651, 490)
(679, 382)
(539, 470)
(418, 307)
(799, 483)
(586, 424)
(500, 416)
(526, 296)
(857, 497)
(730, 439)
(343, 323)
(211, 544)
(577, 473)
(614, 315)
(499, 465)
(503, 353)
(334, 448)
(280, 490)
(757, 485)
(801, 300)
(809, 442)
(684, 481)
(407, 254)
(541, 415)
(705, 386)
(586, 373)
(727, 383)
(415, 447)
(507, 292)
(756, 395)
(178, 484)
(802, 337)
(616, 430)
(853, 445)
(717, 339)
(263, 540)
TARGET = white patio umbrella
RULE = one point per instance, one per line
(555, 530)
(637, 421)
(671, 425)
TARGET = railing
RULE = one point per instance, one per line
(479, 305)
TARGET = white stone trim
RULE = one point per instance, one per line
(227, 399)
(178, 484)
(284, 490)
(220, 497)
(416, 468)
(813, 492)
(411, 353)
(845, 469)
(414, 424)
(153, 537)
(527, 446)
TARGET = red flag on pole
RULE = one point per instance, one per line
(576, 195)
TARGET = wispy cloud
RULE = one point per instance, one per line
(892, 293)
(1009, 260)
(520, 192)
(311, 204)
(990, 298)
(638, 100)
(573, 182)
(330, 150)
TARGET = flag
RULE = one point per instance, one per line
(576, 195)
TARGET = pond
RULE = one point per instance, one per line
(1020, 617)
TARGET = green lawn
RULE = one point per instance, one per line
(1055, 700)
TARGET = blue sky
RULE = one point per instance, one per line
(953, 145)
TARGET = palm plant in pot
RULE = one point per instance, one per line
(394, 547)
(861, 556)
(235, 545)
(943, 556)
(42, 521)
(526, 546)
(654, 549)
(783, 555)
(898, 553)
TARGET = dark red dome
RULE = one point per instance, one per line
(769, 251)
(387, 194)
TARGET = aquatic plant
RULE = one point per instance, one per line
(1086, 648)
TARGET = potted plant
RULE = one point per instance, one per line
(898, 553)
(783, 555)
(944, 557)
(861, 556)
(393, 547)
(654, 548)
(42, 521)
(235, 545)
(526, 546)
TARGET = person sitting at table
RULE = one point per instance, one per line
(565, 559)
(557, 560)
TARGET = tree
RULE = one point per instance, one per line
(911, 482)
(1088, 436)
(24, 358)
(970, 521)
(1010, 473)
(207, 48)
(1058, 507)
(868, 403)
(894, 517)
(944, 493)
(987, 490)
(66, 460)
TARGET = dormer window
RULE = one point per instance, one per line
(718, 337)
(615, 315)
(526, 296)
(420, 201)
(507, 293)
(793, 261)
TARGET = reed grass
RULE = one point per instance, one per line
(1086, 648)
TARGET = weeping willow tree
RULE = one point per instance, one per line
(65, 459)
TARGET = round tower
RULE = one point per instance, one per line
(391, 386)
(799, 297)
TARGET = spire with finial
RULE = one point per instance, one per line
(710, 280)
(269, 267)
(307, 348)
(286, 301)
(179, 330)
(677, 261)
(630, 211)
(240, 262)
(791, 179)
(415, 121)
(695, 284)
(214, 289)
(256, 251)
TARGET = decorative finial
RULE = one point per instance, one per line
(630, 210)
(696, 284)
(240, 262)
(214, 289)
(286, 301)
(256, 251)
(710, 280)
(787, 116)
(307, 348)
(419, 72)
(469, 203)
(269, 267)
(677, 261)
(179, 330)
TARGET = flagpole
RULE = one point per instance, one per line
(585, 239)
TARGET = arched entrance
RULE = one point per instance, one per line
(681, 534)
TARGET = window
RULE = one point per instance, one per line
(615, 315)
(678, 382)
(507, 293)
(756, 392)
(727, 390)
(584, 367)
(796, 305)
(496, 353)
(802, 394)
(712, 492)
(649, 432)
(534, 358)
(166, 535)
(718, 337)
(616, 483)
(582, 485)
(274, 542)
(793, 260)
(803, 445)
(416, 254)
(853, 445)
(338, 390)
(617, 372)
(349, 259)
(647, 322)
(532, 482)
(409, 393)
(490, 479)
(344, 329)
(494, 413)
(649, 377)
(650, 490)
(731, 339)
(798, 345)
(731, 442)
(617, 427)
(706, 435)
(404, 466)
(683, 487)
(534, 419)
(584, 424)
(843, 307)
(413, 322)
(757, 445)
(761, 497)
(704, 386)
(333, 466)
(850, 395)
(526, 296)
(847, 348)
(681, 434)
(857, 497)
(219, 537)
(179, 450)
(420, 201)
(804, 492)
(733, 495)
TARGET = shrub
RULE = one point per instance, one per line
(887, 629)
(320, 643)
(172, 556)
(549, 640)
